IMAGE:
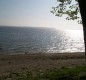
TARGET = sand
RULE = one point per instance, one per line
(40, 61)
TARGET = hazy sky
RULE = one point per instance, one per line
(34, 13)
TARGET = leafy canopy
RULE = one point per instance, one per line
(70, 8)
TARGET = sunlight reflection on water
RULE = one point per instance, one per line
(71, 41)
(21, 40)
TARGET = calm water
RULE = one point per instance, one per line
(20, 40)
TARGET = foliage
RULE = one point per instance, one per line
(70, 8)
(77, 73)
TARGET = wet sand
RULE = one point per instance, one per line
(40, 61)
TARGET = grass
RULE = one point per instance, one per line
(77, 73)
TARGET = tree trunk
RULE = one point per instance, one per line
(82, 5)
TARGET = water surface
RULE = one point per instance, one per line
(27, 39)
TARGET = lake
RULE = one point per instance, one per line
(35, 40)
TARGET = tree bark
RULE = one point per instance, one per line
(82, 5)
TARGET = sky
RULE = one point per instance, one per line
(33, 13)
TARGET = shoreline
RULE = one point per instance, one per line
(34, 61)
(14, 53)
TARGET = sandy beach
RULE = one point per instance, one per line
(40, 61)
